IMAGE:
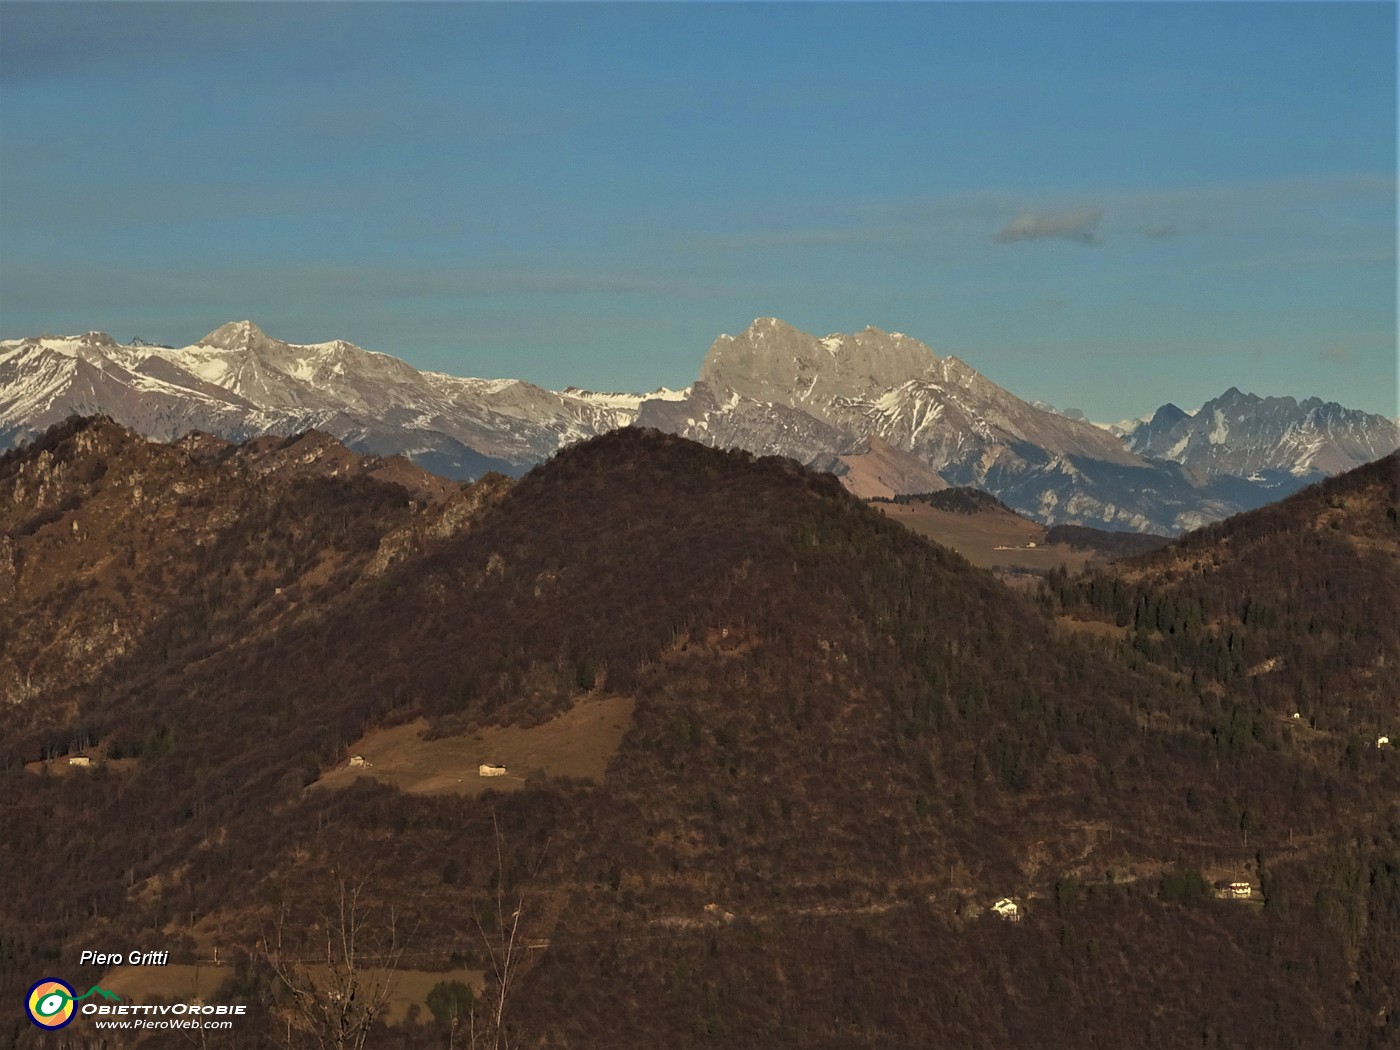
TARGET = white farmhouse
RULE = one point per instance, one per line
(1007, 909)
(488, 770)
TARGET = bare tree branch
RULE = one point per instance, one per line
(336, 1003)
(504, 946)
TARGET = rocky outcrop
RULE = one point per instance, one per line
(454, 515)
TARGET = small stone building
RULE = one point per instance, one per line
(488, 770)
(1008, 909)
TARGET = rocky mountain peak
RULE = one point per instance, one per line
(1245, 435)
(240, 335)
(1169, 415)
(773, 361)
(1235, 397)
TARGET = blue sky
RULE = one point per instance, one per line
(1104, 205)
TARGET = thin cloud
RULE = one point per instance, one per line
(1158, 231)
(1334, 354)
(51, 40)
(1082, 227)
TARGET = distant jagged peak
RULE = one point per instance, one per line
(774, 361)
(877, 341)
(1235, 397)
(1291, 407)
(240, 335)
(1075, 414)
(764, 325)
(68, 344)
(342, 347)
(1236, 394)
(1169, 414)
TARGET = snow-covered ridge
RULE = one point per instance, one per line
(772, 389)
(238, 381)
(625, 402)
(1249, 436)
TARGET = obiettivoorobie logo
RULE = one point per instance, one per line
(50, 1002)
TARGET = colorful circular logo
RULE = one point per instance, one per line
(50, 1003)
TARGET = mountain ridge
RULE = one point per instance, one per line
(1269, 434)
(772, 389)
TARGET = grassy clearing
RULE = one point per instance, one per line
(578, 743)
(1097, 628)
(97, 757)
(977, 536)
(142, 984)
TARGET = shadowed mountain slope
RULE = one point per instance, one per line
(1294, 605)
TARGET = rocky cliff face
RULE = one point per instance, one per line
(773, 361)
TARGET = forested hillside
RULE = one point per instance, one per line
(844, 745)
(1290, 608)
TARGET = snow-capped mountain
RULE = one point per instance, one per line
(893, 386)
(881, 409)
(238, 382)
(1246, 435)
(776, 389)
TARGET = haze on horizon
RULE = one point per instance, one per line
(1103, 206)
